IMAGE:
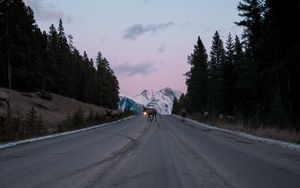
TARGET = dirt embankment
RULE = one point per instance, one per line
(53, 110)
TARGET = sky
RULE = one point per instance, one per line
(147, 42)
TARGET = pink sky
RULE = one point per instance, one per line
(146, 41)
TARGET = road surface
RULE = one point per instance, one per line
(136, 153)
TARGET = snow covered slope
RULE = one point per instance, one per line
(161, 100)
(127, 103)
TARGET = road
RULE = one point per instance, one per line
(137, 153)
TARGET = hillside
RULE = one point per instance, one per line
(52, 111)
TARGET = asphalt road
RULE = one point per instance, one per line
(136, 153)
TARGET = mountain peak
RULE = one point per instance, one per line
(162, 100)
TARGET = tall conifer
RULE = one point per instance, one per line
(197, 78)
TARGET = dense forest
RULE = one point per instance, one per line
(35, 60)
(255, 78)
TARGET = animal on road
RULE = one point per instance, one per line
(3, 115)
(230, 118)
(5, 97)
(227, 118)
(183, 114)
(206, 115)
(150, 113)
(221, 117)
(114, 114)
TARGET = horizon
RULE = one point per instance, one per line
(145, 49)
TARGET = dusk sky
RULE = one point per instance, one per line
(146, 41)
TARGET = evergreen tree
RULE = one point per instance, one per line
(85, 76)
(34, 60)
(107, 84)
(18, 30)
(175, 109)
(179, 104)
(258, 88)
(252, 12)
(268, 80)
(216, 81)
(229, 78)
(241, 76)
(197, 79)
(281, 45)
(61, 60)
(78, 119)
(100, 80)
(33, 123)
(52, 50)
(5, 44)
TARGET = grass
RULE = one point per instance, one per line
(274, 133)
(56, 113)
(52, 111)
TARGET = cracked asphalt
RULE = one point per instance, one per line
(137, 153)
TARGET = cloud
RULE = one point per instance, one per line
(103, 39)
(132, 32)
(186, 25)
(162, 48)
(131, 70)
(147, 1)
(47, 12)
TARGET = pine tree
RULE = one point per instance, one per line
(175, 108)
(61, 60)
(197, 79)
(251, 11)
(34, 60)
(216, 81)
(33, 123)
(179, 104)
(229, 78)
(281, 46)
(5, 44)
(18, 30)
(241, 76)
(107, 84)
(257, 82)
(100, 80)
(78, 119)
(52, 50)
(239, 57)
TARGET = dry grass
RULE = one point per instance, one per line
(52, 111)
(286, 135)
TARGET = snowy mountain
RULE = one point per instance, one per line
(161, 100)
(127, 103)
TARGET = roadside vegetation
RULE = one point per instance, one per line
(250, 83)
(29, 121)
(272, 132)
(34, 60)
(41, 63)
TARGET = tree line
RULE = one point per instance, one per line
(35, 60)
(255, 78)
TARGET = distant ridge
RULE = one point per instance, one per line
(161, 100)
